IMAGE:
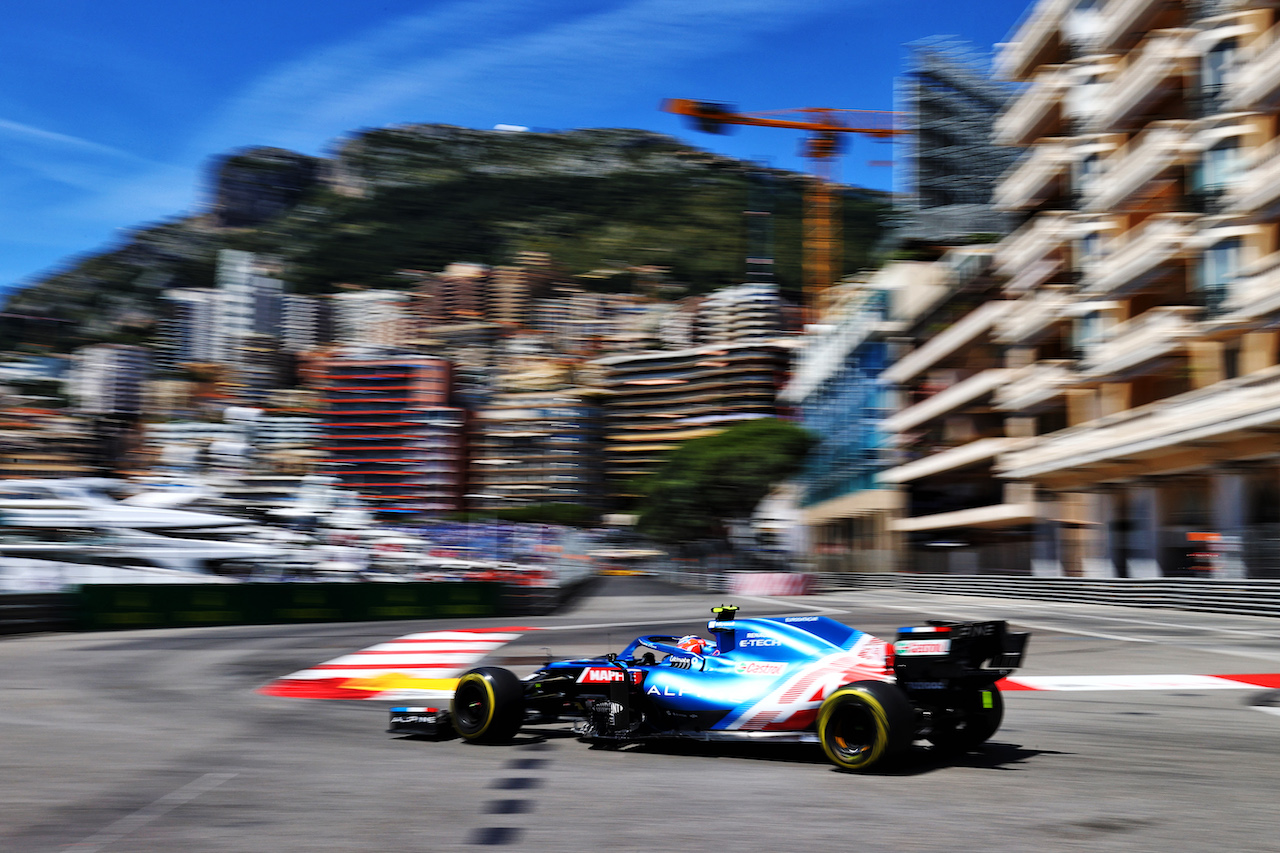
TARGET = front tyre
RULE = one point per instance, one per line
(972, 723)
(865, 724)
(488, 705)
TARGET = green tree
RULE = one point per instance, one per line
(708, 481)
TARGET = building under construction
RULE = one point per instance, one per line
(947, 165)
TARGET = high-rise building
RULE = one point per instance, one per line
(947, 165)
(946, 431)
(250, 299)
(837, 389)
(541, 447)
(305, 322)
(1142, 338)
(192, 331)
(107, 379)
(658, 399)
(391, 434)
(513, 289)
(739, 313)
(459, 294)
(372, 318)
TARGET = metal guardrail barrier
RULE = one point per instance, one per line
(27, 612)
(1243, 597)
(126, 606)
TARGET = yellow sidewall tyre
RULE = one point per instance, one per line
(488, 705)
(865, 724)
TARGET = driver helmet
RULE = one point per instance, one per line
(693, 643)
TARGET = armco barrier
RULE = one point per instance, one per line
(24, 612)
(116, 606)
(1244, 597)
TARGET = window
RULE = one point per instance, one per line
(1218, 268)
(1215, 65)
(1220, 165)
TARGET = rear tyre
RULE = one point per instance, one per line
(865, 724)
(488, 705)
(976, 719)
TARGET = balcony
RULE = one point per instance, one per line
(1036, 41)
(1120, 19)
(1255, 83)
(995, 515)
(963, 332)
(1156, 73)
(1152, 154)
(1135, 259)
(1256, 293)
(1258, 189)
(1033, 385)
(1135, 342)
(1194, 421)
(1035, 178)
(1038, 112)
(950, 459)
(1042, 237)
(963, 393)
(1031, 315)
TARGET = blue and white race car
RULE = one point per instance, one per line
(798, 678)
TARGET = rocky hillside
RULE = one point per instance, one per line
(423, 196)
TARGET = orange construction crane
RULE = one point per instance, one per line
(822, 146)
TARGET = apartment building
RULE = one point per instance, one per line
(372, 318)
(947, 432)
(513, 289)
(249, 300)
(539, 447)
(106, 380)
(655, 400)
(459, 294)
(305, 322)
(746, 311)
(391, 434)
(190, 331)
(836, 388)
(1145, 285)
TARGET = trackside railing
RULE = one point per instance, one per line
(1244, 597)
(27, 612)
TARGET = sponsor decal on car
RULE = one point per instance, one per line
(762, 642)
(760, 667)
(606, 675)
(908, 648)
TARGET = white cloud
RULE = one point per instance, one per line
(474, 56)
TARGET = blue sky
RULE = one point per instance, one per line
(109, 112)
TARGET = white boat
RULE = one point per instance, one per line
(91, 499)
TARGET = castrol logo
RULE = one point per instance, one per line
(759, 667)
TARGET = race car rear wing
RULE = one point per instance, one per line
(947, 654)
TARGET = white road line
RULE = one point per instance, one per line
(133, 822)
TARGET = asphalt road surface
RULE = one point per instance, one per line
(133, 742)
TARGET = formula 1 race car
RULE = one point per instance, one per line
(799, 678)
